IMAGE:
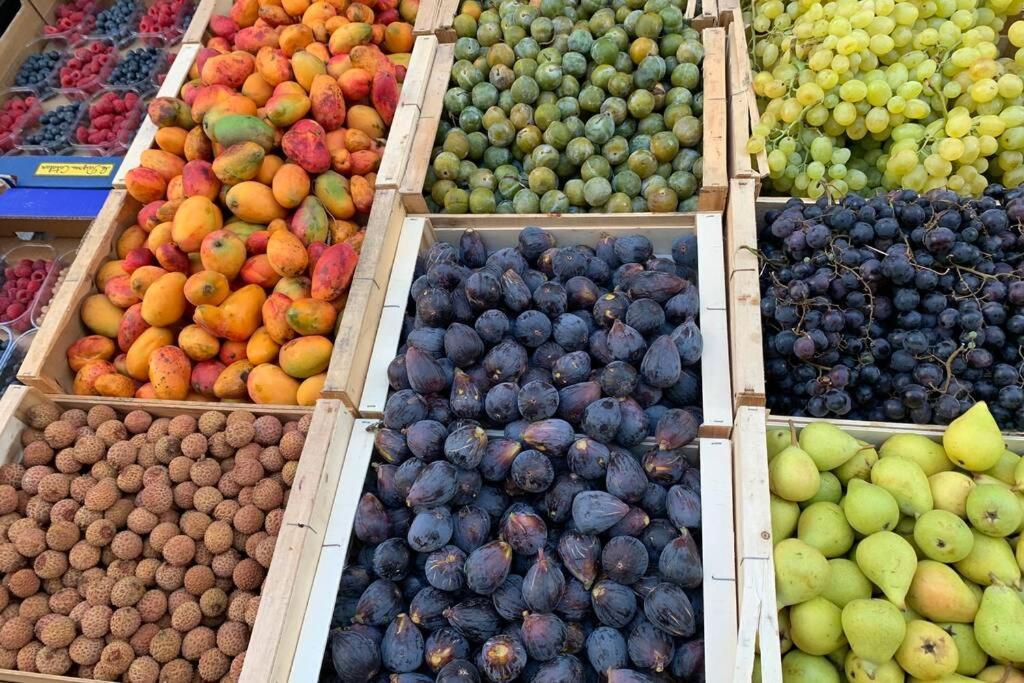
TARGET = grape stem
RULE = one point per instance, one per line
(949, 367)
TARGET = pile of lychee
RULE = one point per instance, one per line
(134, 547)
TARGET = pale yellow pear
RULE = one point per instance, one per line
(989, 558)
(816, 626)
(972, 658)
(1001, 673)
(939, 594)
(793, 475)
(943, 536)
(827, 445)
(874, 629)
(824, 526)
(800, 667)
(922, 450)
(973, 440)
(846, 582)
(830, 490)
(948, 678)
(859, 466)
(889, 562)
(801, 572)
(785, 514)
(777, 439)
(949, 492)
(999, 624)
(907, 483)
(927, 651)
(858, 669)
(994, 510)
(870, 508)
(1005, 468)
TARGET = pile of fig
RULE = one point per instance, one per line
(532, 512)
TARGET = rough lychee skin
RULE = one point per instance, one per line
(291, 445)
(223, 565)
(100, 533)
(38, 509)
(60, 434)
(12, 473)
(248, 519)
(213, 602)
(102, 495)
(10, 558)
(213, 664)
(41, 415)
(178, 469)
(15, 633)
(165, 645)
(264, 553)
(85, 651)
(197, 641)
(186, 617)
(194, 524)
(23, 583)
(183, 493)
(96, 621)
(30, 542)
(111, 432)
(37, 453)
(206, 498)
(211, 422)
(198, 580)
(144, 670)
(76, 417)
(56, 631)
(124, 622)
(152, 606)
(194, 446)
(232, 638)
(126, 592)
(176, 671)
(117, 656)
(145, 570)
(122, 454)
(129, 479)
(140, 641)
(268, 430)
(142, 521)
(240, 417)
(248, 574)
(226, 509)
(239, 434)
(53, 661)
(50, 564)
(61, 602)
(181, 426)
(65, 461)
(97, 415)
(268, 495)
(179, 550)
(247, 471)
(33, 475)
(26, 658)
(137, 421)
(157, 498)
(169, 577)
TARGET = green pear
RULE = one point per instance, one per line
(800, 667)
(830, 490)
(859, 466)
(858, 669)
(889, 562)
(931, 456)
(972, 658)
(1018, 475)
(870, 508)
(905, 527)
(999, 624)
(927, 651)
(1005, 469)
(824, 526)
(793, 475)
(777, 440)
(874, 629)
(949, 492)
(939, 594)
(846, 582)
(943, 536)
(948, 678)
(989, 557)
(785, 642)
(973, 440)
(827, 445)
(837, 657)
(1001, 673)
(801, 572)
(994, 510)
(785, 514)
(816, 626)
(906, 481)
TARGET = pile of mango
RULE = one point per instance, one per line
(254, 201)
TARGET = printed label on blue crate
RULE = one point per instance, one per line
(79, 169)
(76, 172)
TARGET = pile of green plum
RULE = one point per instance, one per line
(567, 107)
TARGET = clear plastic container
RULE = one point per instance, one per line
(33, 262)
(126, 28)
(75, 28)
(68, 76)
(144, 82)
(64, 262)
(16, 346)
(48, 82)
(11, 123)
(180, 17)
(117, 145)
(26, 146)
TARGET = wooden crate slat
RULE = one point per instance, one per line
(415, 174)
(396, 151)
(417, 77)
(715, 181)
(715, 384)
(744, 288)
(424, 24)
(718, 558)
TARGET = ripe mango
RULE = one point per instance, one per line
(398, 37)
(171, 140)
(229, 69)
(164, 301)
(284, 110)
(408, 9)
(146, 217)
(197, 343)
(310, 222)
(206, 97)
(315, 250)
(306, 356)
(332, 190)
(357, 12)
(170, 373)
(168, 209)
(294, 38)
(171, 258)
(165, 164)
(231, 352)
(251, 39)
(275, 321)
(204, 377)
(244, 12)
(290, 185)
(268, 168)
(361, 190)
(207, 287)
(101, 316)
(256, 242)
(268, 383)
(174, 188)
(257, 89)
(342, 230)
(274, 15)
(333, 272)
(364, 162)
(243, 229)
(253, 202)
(294, 287)
(286, 253)
(311, 316)
(355, 84)
(115, 385)
(306, 66)
(237, 317)
(145, 184)
(238, 163)
(384, 95)
(170, 111)
(230, 384)
(304, 144)
(328, 102)
(223, 251)
(310, 389)
(349, 36)
(137, 359)
(258, 271)
(89, 348)
(261, 347)
(196, 218)
(161, 234)
(131, 327)
(119, 291)
(85, 379)
(365, 119)
(143, 276)
(198, 145)
(234, 128)
(273, 65)
(132, 238)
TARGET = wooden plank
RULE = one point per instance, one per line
(744, 288)
(396, 151)
(424, 24)
(417, 78)
(715, 181)
(740, 165)
(143, 140)
(444, 19)
(196, 31)
(742, 85)
(755, 571)
(411, 186)
(333, 554)
(385, 346)
(643, 223)
(718, 558)
(716, 398)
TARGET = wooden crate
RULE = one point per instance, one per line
(196, 32)
(704, 17)
(744, 295)
(420, 232)
(289, 579)
(743, 113)
(715, 184)
(711, 455)
(45, 366)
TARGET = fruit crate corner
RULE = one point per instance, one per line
(419, 232)
(436, 17)
(707, 17)
(718, 587)
(289, 578)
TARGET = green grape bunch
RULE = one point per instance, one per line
(883, 94)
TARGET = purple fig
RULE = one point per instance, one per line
(550, 298)
(543, 585)
(625, 478)
(558, 500)
(379, 604)
(614, 604)
(676, 428)
(465, 446)
(601, 420)
(668, 607)
(683, 506)
(523, 529)
(474, 618)
(624, 343)
(500, 403)
(543, 636)
(443, 568)
(391, 445)
(649, 647)
(472, 251)
(355, 657)
(502, 659)
(574, 399)
(487, 566)
(434, 486)
(401, 650)
(553, 436)
(427, 608)
(430, 530)
(424, 372)
(471, 526)
(444, 646)
(532, 471)
(680, 563)
(462, 345)
(596, 511)
(404, 408)
(508, 598)
(652, 284)
(505, 362)
(514, 291)
(497, 458)
(371, 521)
(661, 365)
(580, 555)
(624, 559)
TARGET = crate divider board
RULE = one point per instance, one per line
(710, 454)
(744, 290)
(290, 577)
(714, 187)
(743, 111)
(708, 16)
(419, 233)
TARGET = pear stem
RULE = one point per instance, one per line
(792, 435)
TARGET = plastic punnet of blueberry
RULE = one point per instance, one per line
(136, 66)
(532, 512)
(37, 68)
(116, 22)
(901, 308)
(55, 127)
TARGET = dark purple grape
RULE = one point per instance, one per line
(356, 658)
(487, 566)
(543, 636)
(543, 585)
(624, 559)
(614, 604)
(401, 650)
(443, 568)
